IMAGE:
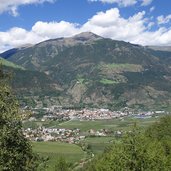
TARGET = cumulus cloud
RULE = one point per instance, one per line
(124, 3)
(16, 37)
(40, 31)
(109, 24)
(11, 6)
(54, 29)
(163, 19)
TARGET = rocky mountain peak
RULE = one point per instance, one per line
(85, 36)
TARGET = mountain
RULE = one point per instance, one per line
(98, 72)
(11, 52)
(9, 64)
(26, 82)
(160, 48)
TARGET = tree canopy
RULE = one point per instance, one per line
(138, 151)
(15, 150)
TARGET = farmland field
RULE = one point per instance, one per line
(98, 144)
(114, 124)
(72, 153)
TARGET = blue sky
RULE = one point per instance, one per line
(146, 22)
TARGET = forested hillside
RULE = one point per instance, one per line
(89, 70)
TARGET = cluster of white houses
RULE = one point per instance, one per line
(53, 134)
(97, 114)
(59, 114)
(84, 114)
(73, 136)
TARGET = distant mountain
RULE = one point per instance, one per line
(162, 52)
(9, 53)
(160, 48)
(98, 72)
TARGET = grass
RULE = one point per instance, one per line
(72, 153)
(80, 79)
(114, 124)
(98, 144)
(125, 66)
(9, 64)
(119, 68)
(107, 81)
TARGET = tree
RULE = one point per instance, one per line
(15, 150)
(61, 165)
(135, 152)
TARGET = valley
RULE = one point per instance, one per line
(78, 95)
(96, 136)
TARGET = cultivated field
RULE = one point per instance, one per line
(72, 153)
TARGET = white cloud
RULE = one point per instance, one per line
(124, 3)
(163, 20)
(11, 6)
(109, 24)
(150, 25)
(40, 31)
(152, 8)
(54, 29)
(146, 2)
(17, 37)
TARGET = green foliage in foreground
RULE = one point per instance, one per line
(138, 151)
(61, 165)
(15, 151)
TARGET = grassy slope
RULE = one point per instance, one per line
(10, 64)
(54, 150)
(98, 144)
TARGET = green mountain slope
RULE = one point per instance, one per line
(9, 64)
(27, 83)
(99, 72)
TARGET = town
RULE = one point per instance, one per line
(57, 113)
(74, 136)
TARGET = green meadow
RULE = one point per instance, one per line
(73, 153)
(124, 124)
(53, 150)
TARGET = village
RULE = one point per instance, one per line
(74, 136)
(57, 113)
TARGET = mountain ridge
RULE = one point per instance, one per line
(100, 72)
